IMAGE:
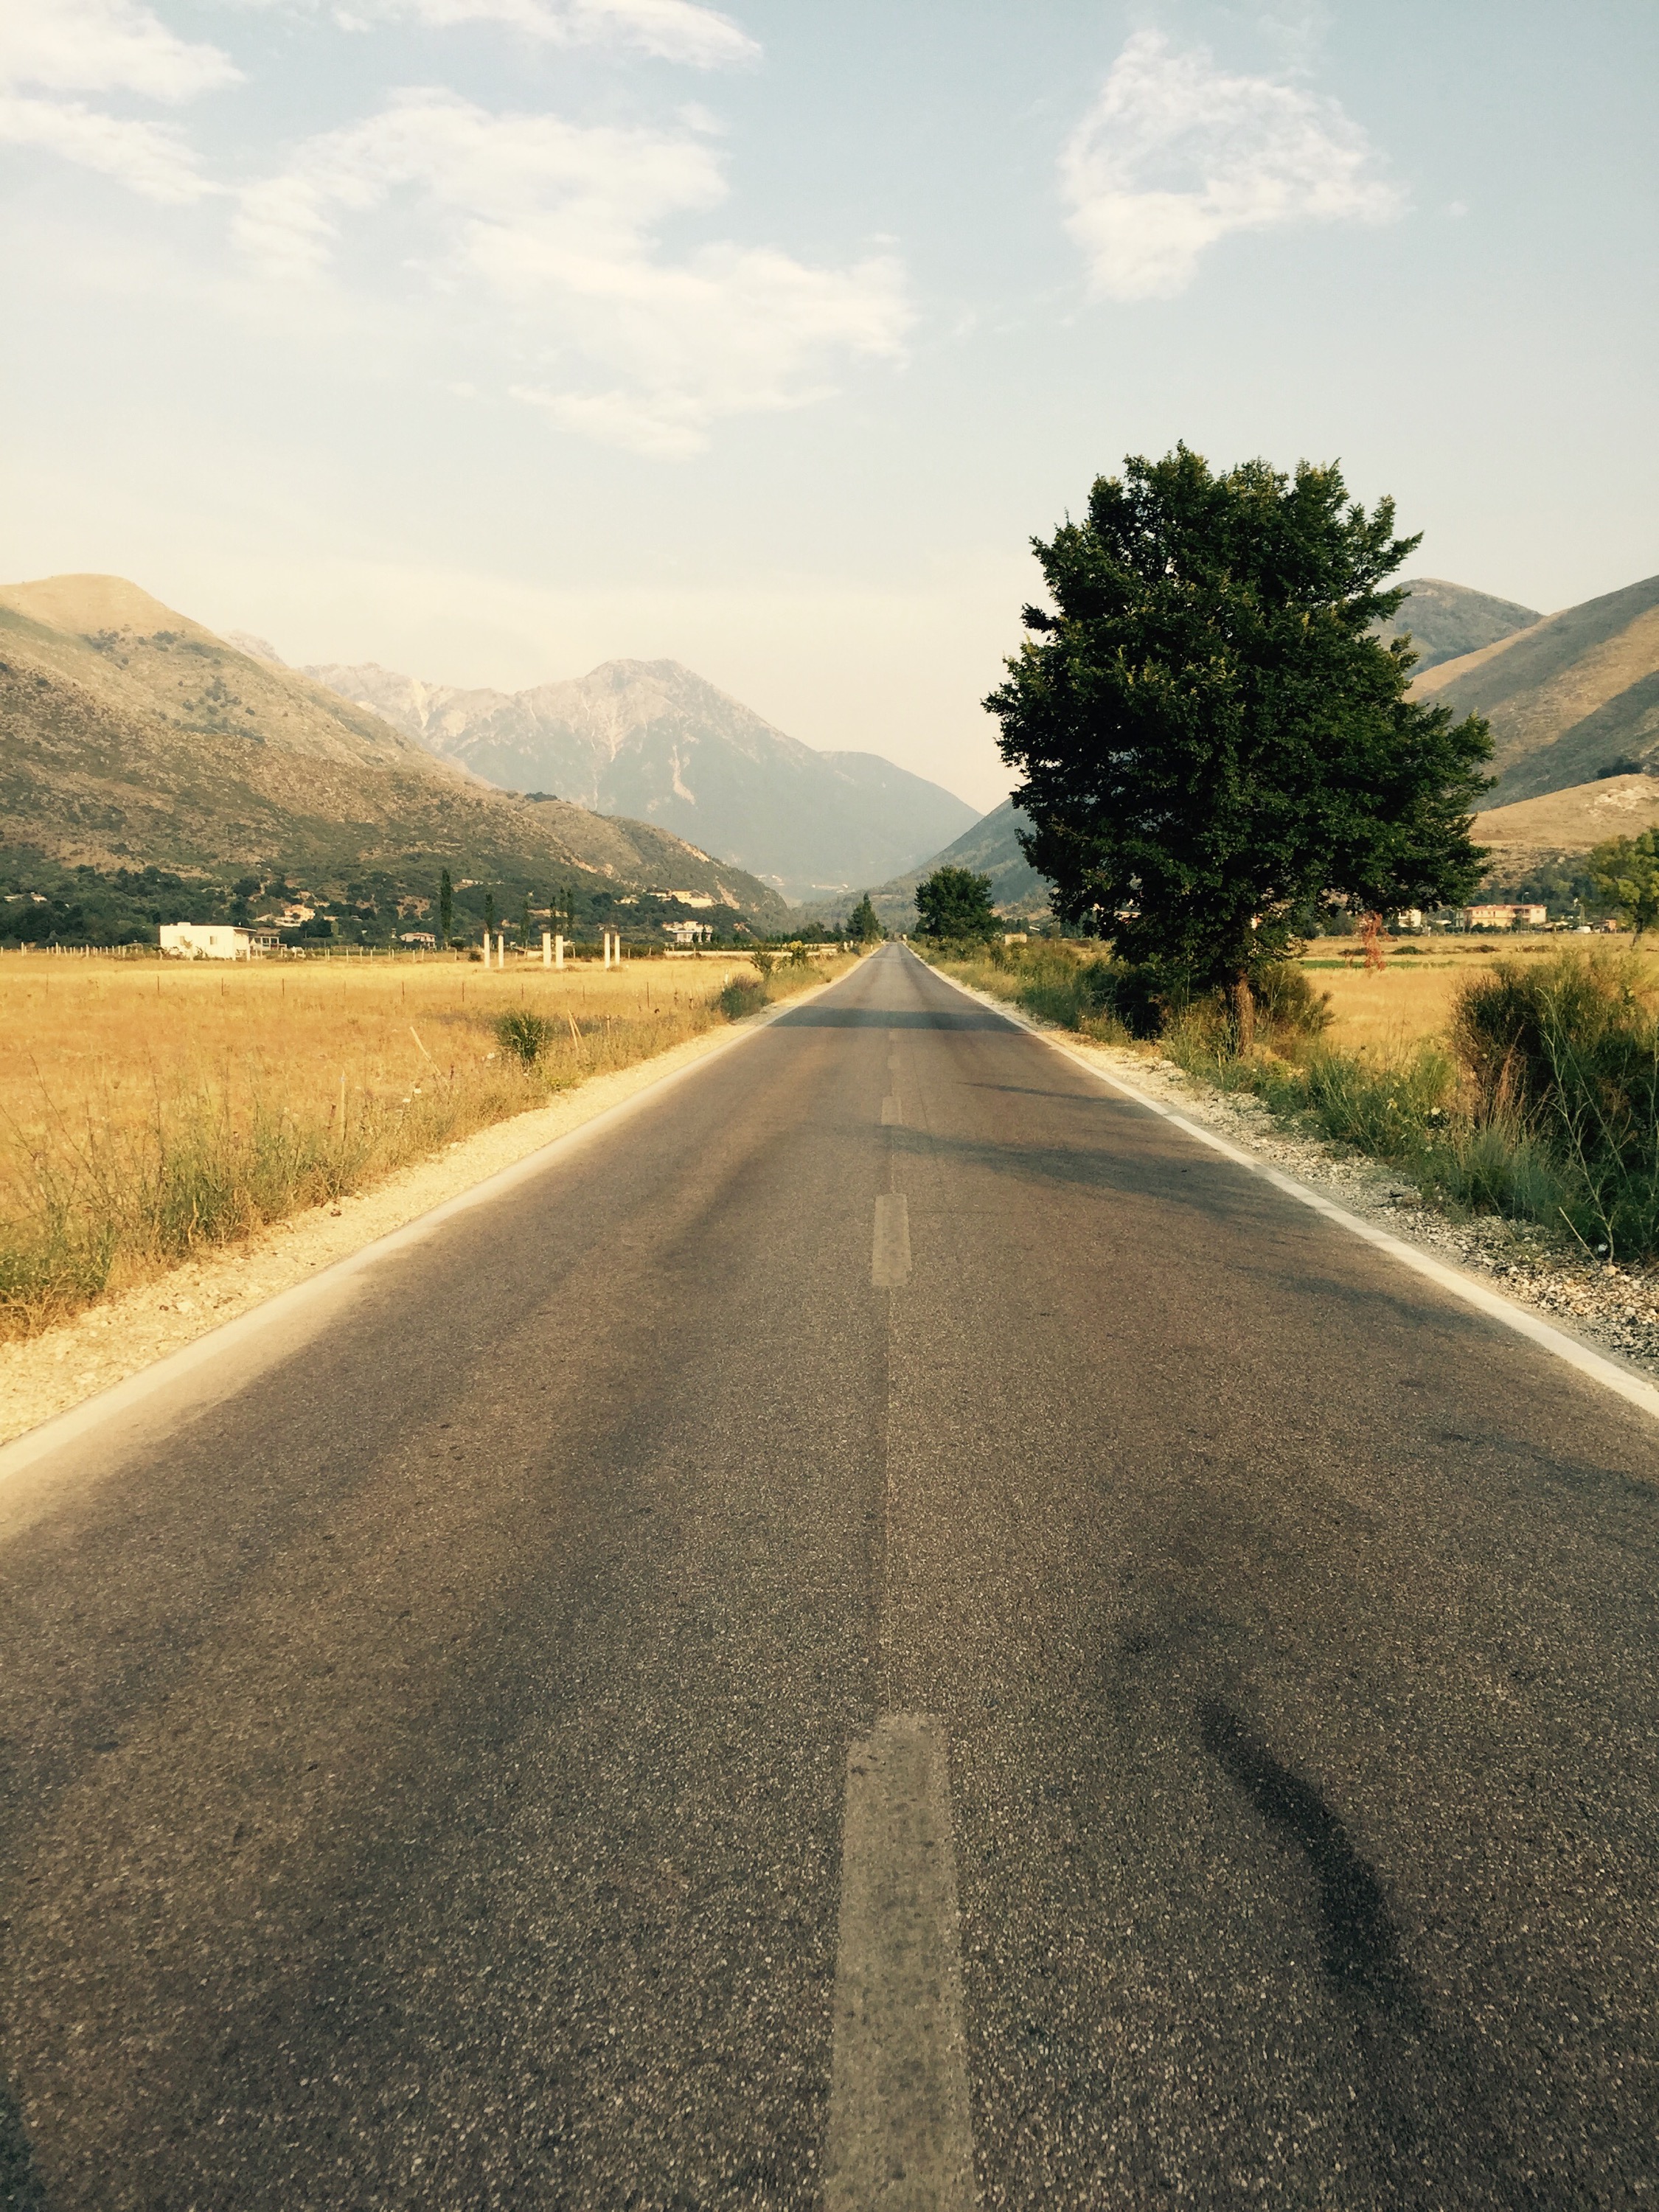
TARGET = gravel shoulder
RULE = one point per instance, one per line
(1614, 1309)
(43, 1376)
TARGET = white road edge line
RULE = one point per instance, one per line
(890, 1252)
(120, 1397)
(1595, 1364)
(901, 2126)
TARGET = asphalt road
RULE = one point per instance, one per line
(424, 1739)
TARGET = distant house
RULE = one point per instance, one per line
(207, 940)
(1505, 917)
(687, 932)
(421, 936)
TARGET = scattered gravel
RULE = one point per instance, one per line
(1616, 1309)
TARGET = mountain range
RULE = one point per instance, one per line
(652, 741)
(990, 847)
(1445, 621)
(1571, 698)
(134, 737)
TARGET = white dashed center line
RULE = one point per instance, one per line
(900, 2131)
(889, 1257)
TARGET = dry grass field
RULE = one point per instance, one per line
(1382, 1014)
(148, 1108)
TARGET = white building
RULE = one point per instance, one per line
(1523, 916)
(206, 940)
(687, 932)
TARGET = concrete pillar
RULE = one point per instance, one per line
(547, 948)
(558, 952)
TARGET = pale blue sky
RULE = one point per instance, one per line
(492, 338)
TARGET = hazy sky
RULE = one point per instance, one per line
(492, 338)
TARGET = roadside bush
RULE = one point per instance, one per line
(1288, 1002)
(1544, 1107)
(525, 1035)
(1564, 1058)
(744, 994)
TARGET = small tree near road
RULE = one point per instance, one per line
(446, 908)
(1626, 870)
(1214, 741)
(862, 924)
(955, 902)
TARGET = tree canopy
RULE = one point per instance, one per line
(1214, 742)
(955, 903)
(1625, 872)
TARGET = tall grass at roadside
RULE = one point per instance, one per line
(1540, 1102)
(147, 1113)
(1052, 982)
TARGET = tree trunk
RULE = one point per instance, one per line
(1245, 1007)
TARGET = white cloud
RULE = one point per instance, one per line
(104, 45)
(150, 158)
(555, 224)
(673, 30)
(1175, 154)
(57, 47)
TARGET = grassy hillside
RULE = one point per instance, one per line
(1540, 846)
(1445, 621)
(136, 738)
(1571, 699)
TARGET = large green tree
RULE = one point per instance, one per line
(1212, 739)
(955, 902)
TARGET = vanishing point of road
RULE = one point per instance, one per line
(886, 1630)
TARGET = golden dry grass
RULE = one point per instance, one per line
(148, 1108)
(1380, 1015)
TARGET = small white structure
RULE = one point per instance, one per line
(687, 932)
(206, 940)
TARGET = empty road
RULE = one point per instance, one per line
(889, 1630)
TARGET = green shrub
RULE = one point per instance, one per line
(1287, 1001)
(524, 1035)
(744, 994)
(1566, 1056)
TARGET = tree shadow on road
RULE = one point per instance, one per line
(821, 1017)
